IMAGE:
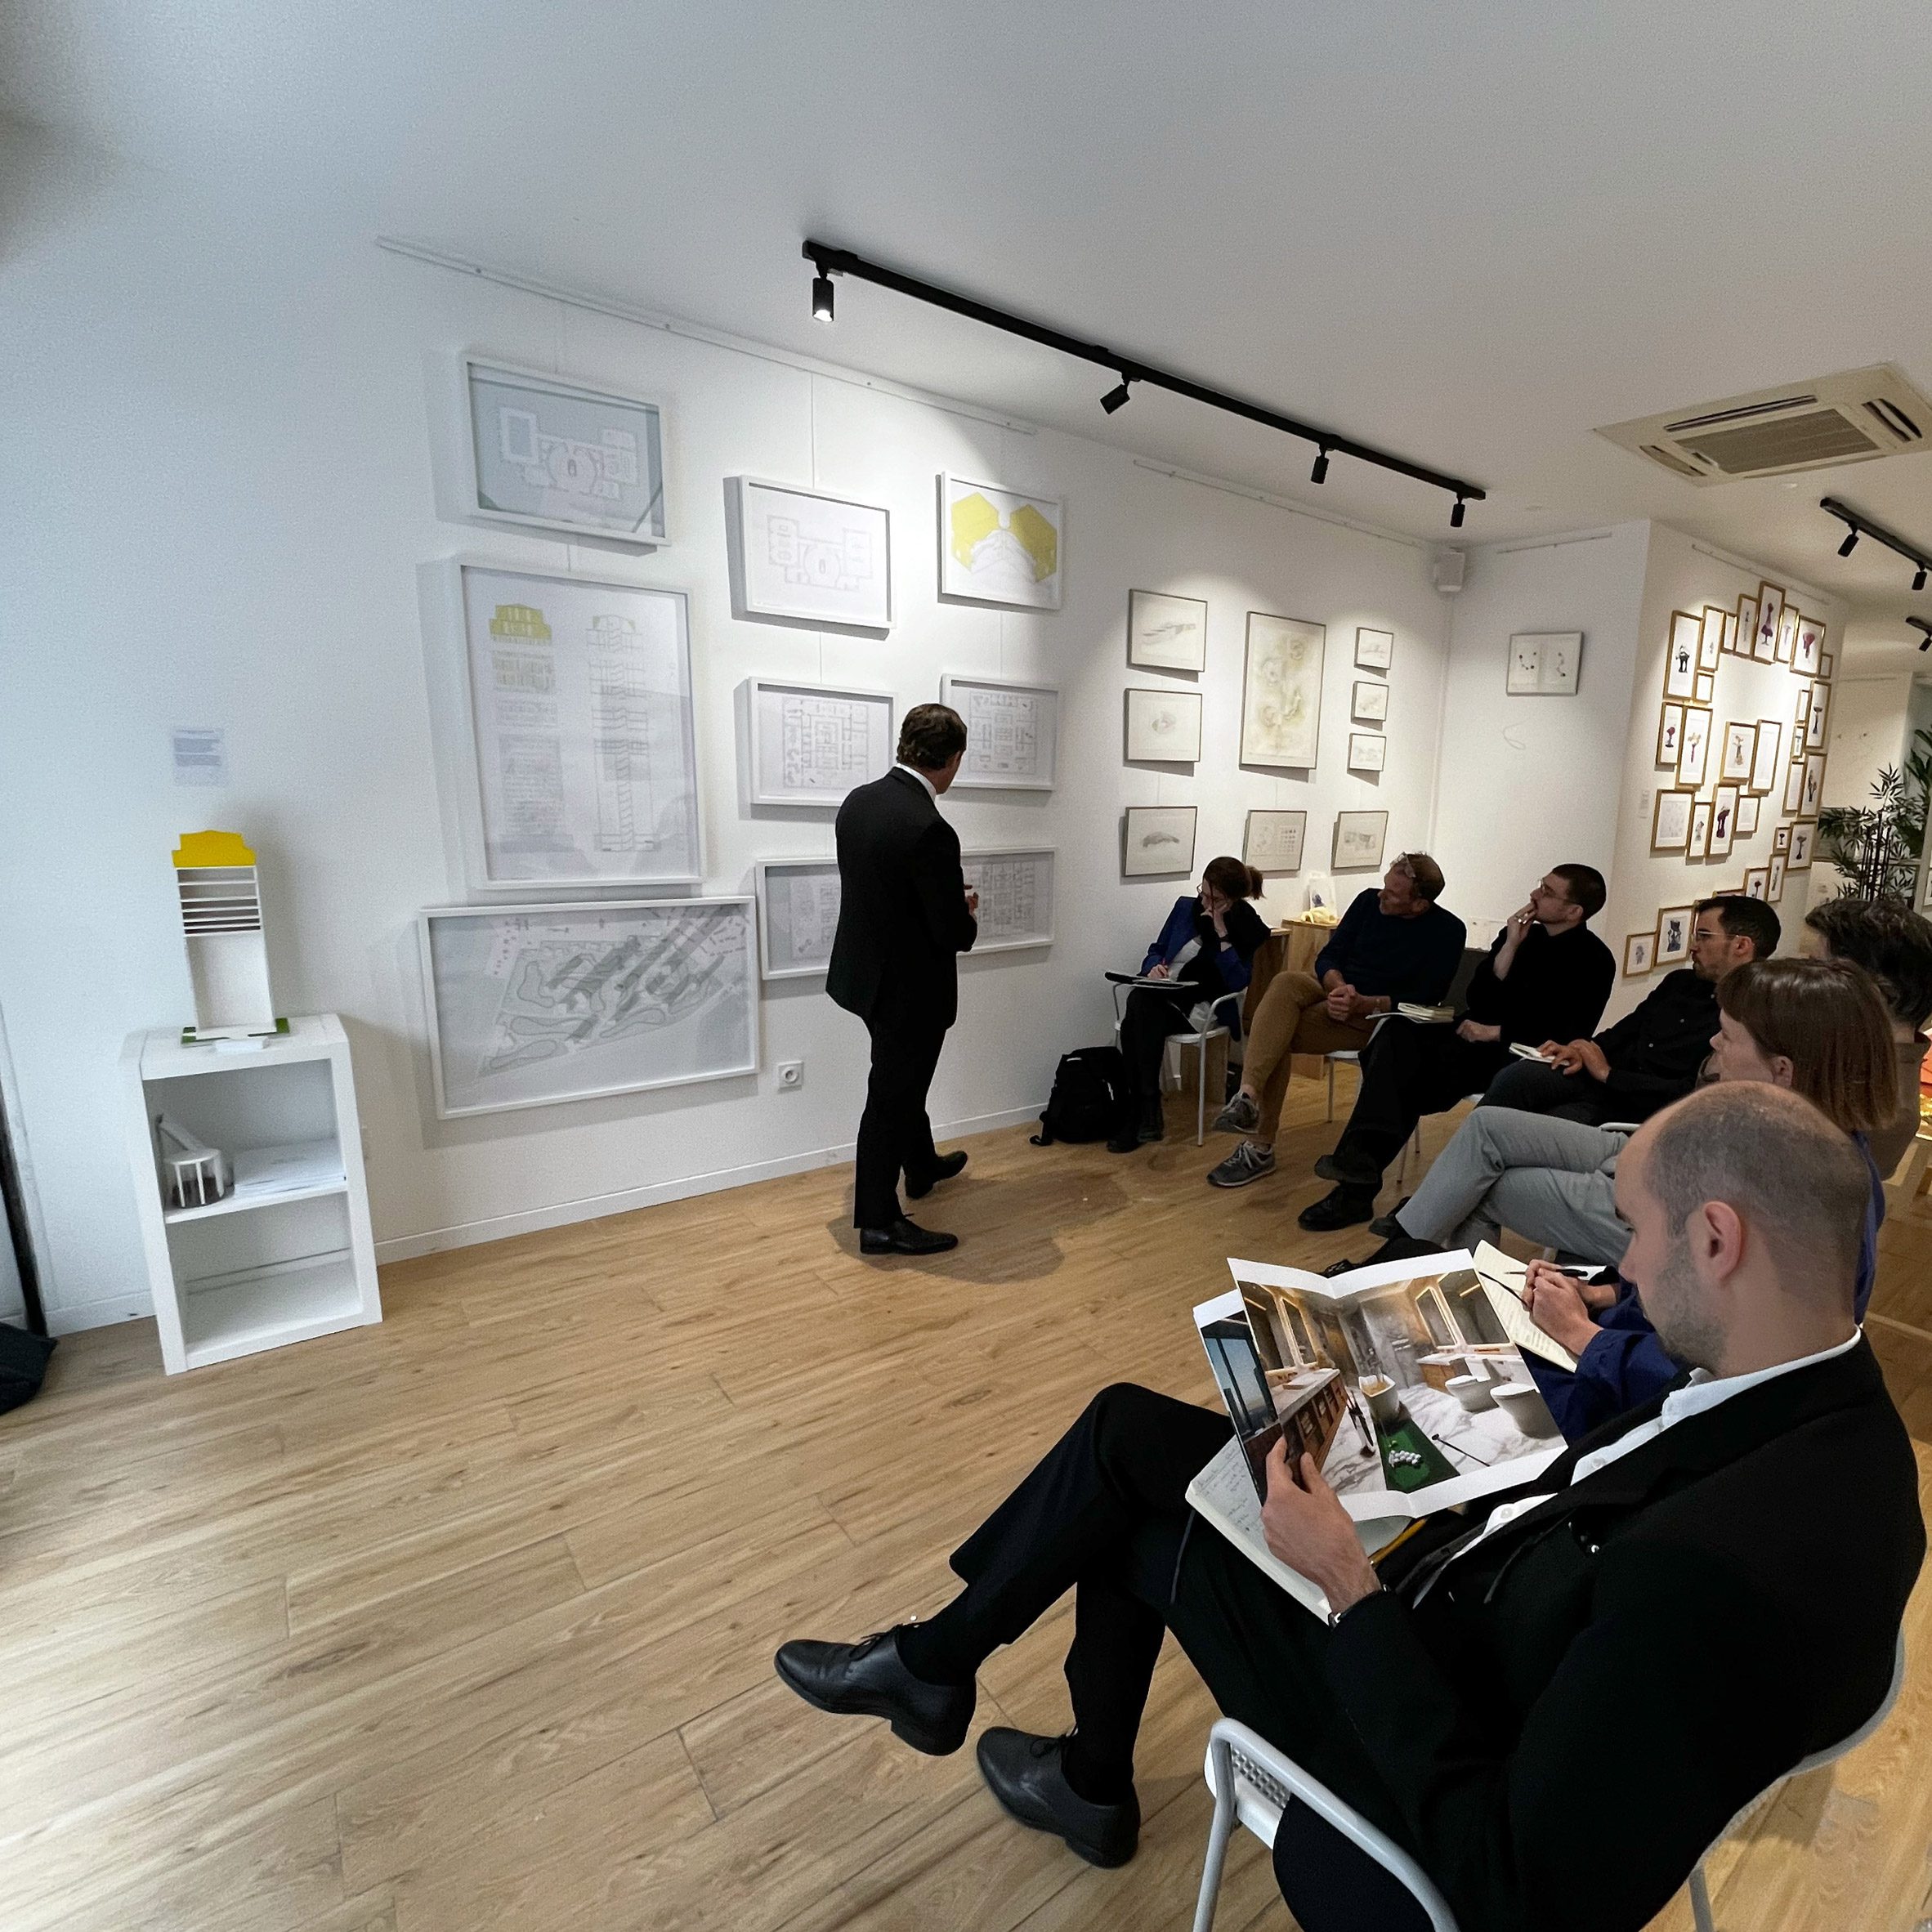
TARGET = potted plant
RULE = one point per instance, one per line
(1876, 848)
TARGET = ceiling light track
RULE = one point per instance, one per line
(1857, 525)
(828, 262)
(1925, 628)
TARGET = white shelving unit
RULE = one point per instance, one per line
(287, 1254)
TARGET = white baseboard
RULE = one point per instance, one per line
(404, 1247)
(77, 1316)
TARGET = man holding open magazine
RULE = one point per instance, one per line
(1555, 1700)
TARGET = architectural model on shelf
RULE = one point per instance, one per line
(1015, 886)
(219, 891)
(812, 744)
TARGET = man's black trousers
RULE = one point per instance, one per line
(1532, 1088)
(1408, 1071)
(895, 1135)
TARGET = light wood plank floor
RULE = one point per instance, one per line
(465, 1621)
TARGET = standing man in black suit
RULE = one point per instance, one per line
(905, 915)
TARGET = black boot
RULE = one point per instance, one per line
(1345, 1207)
(1153, 1119)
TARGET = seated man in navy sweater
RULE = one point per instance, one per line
(1394, 945)
(1547, 978)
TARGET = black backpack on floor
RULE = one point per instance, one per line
(1089, 1098)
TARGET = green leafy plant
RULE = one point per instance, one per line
(1876, 847)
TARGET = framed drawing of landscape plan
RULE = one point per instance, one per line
(1282, 691)
(530, 1005)
(553, 454)
(999, 546)
(806, 557)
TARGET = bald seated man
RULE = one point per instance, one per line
(1554, 1702)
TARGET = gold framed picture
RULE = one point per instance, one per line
(1669, 819)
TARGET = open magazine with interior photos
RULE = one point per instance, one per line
(1406, 1383)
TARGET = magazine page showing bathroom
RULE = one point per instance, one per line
(1399, 1380)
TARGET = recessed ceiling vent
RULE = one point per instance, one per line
(1838, 419)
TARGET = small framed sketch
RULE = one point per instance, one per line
(1670, 820)
(1814, 725)
(1794, 785)
(1774, 879)
(1808, 648)
(1699, 845)
(1639, 953)
(1015, 886)
(1803, 708)
(1163, 727)
(1740, 749)
(1375, 651)
(1781, 841)
(1359, 837)
(807, 557)
(1544, 664)
(1787, 634)
(1680, 661)
(1673, 935)
(1764, 766)
(798, 916)
(810, 744)
(1670, 735)
(1696, 753)
(999, 546)
(1710, 638)
(1167, 633)
(1013, 733)
(1814, 787)
(1757, 882)
(1804, 837)
(1730, 639)
(1747, 815)
(1706, 687)
(1724, 822)
(1369, 701)
(549, 454)
(1157, 840)
(1366, 751)
(1770, 616)
(1271, 841)
(1827, 665)
(1747, 626)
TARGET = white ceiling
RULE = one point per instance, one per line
(1464, 233)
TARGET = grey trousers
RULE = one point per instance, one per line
(1552, 1181)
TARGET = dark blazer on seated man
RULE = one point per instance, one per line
(905, 916)
(1652, 1055)
(1556, 1703)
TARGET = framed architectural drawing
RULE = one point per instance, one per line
(1271, 841)
(999, 546)
(1639, 953)
(1165, 632)
(1155, 840)
(530, 1005)
(1747, 626)
(1808, 647)
(1804, 837)
(1724, 822)
(1781, 840)
(1770, 616)
(810, 744)
(1670, 820)
(1163, 727)
(1787, 634)
(549, 454)
(1774, 879)
(1699, 846)
(1367, 751)
(1369, 701)
(807, 557)
(1680, 660)
(1794, 785)
(1814, 787)
(1692, 760)
(798, 916)
(1757, 882)
(1544, 664)
(1375, 651)
(1740, 749)
(1359, 837)
(1673, 935)
(1670, 735)
(1015, 886)
(1282, 691)
(1764, 766)
(1748, 807)
(1706, 687)
(581, 768)
(1710, 638)
(1012, 732)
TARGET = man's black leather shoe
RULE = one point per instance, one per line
(904, 1237)
(1386, 1224)
(949, 1165)
(1346, 1207)
(1026, 1774)
(1347, 1172)
(867, 1680)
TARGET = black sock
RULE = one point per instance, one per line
(1099, 1778)
(932, 1651)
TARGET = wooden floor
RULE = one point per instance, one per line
(465, 1621)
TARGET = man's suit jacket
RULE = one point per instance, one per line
(1576, 1708)
(902, 916)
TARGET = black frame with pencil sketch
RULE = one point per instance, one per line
(1297, 834)
(1368, 702)
(1368, 751)
(1140, 743)
(1360, 864)
(1150, 869)
(1143, 653)
(1370, 655)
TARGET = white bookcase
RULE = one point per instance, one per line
(287, 1253)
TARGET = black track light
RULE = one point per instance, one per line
(1455, 515)
(1918, 583)
(821, 298)
(1116, 399)
(1319, 473)
(1849, 544)
(1920, 624)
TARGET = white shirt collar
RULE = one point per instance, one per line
(931, 790)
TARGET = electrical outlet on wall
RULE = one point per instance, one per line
(791, 1073)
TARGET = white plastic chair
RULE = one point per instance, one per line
(1199, 1041)
(1253, 1782)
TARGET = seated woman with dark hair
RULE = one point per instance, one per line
(1207, 948)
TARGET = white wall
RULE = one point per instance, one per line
(1869, 730)
(216, 495)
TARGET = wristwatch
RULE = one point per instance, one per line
(1335, 1616)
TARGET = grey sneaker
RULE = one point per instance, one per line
(1242, 1114)
(1246, 1163)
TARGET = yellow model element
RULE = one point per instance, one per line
(974, 520)
(201, 850)
(520, 620)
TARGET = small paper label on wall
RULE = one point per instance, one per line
(200, 755)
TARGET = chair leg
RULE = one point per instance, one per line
(1331, 1065)
(1219, 1832)
(1201, 1096)
(1701, 1899)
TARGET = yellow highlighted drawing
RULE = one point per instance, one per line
(200, 849)
(974, 519)
(520, 620)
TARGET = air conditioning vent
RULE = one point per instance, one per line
(1845, 418)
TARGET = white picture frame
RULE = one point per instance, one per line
(1282, 691)
(1162, 726)
(1368, 751)
(1680, 655)
(797, 900)
(810, 744)
(1368, 702)
(475, 963)
(1007, 547)
(1544, 665)
(549, 669)
(1273, 842)
(1012, 732)
(1359, 839)
(542, 451)
(808, 557)
(1374, 649)
(1157, 841)
(1167, 633)
(1015, 884)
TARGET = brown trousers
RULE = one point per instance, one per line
(1290, 1019)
